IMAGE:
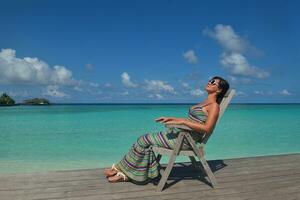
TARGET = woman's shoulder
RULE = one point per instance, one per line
(214, 104)
(213, 107)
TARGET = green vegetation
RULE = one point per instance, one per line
(36, 101)
(6, 100)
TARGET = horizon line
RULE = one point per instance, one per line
(139, 103)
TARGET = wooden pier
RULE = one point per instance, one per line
(262, 178)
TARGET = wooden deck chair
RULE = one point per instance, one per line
(197, 150)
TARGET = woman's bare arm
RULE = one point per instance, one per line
(207, 127)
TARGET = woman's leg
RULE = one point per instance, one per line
(139, 164)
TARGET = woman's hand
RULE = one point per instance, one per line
(177, 121)
(164, 119)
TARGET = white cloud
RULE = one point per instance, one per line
(94, 84)
(61, 75)
(239, 80)
(126, 93)
(31, 70)
(238, 65)
(78, 89)
(234, 46)
(232, 79)
(197, 92)
(246, 80)
(126, 80)
(158, 85)
(259, 92)
(285, 92)
(190, 56)
(53, 91)
(227, 38)
(241, 94)
(186, 85)
(157, 96)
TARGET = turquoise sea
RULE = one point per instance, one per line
(59, 137)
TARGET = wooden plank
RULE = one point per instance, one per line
(119, 187)
(54, 177)
(224, 173)
(246, 190)
(96, 193)
(237, 182)
(91, 174)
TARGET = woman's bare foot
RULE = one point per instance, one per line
(119, 177)
(110, 172)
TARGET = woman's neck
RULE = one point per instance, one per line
(211, 98)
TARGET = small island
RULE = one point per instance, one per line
(6, 100)
(36, 101)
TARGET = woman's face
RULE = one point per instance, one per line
(212, 86)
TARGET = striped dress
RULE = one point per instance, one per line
(140, 165)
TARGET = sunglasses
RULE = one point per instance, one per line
(213, 82)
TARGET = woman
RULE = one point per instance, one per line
(140, 165)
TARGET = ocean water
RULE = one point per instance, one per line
(60, 137)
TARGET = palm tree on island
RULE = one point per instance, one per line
(6, 100)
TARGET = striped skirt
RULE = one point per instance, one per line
(139, 164)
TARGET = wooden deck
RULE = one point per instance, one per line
(269, 177)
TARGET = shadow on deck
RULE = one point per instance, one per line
(185, 171)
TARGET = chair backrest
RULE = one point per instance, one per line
(223, 105)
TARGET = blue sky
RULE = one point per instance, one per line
(149, 51)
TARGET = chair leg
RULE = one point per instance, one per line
(166, 173)
(208, 171)
(203, 162)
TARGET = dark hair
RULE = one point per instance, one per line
(224, 86)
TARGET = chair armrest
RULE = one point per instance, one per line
(182, 127)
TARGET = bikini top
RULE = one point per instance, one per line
(197, 114)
